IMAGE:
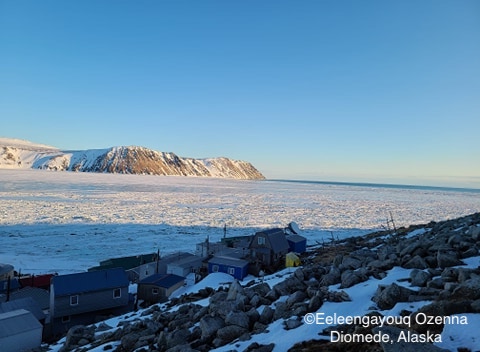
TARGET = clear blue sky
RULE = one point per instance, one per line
(371, 91)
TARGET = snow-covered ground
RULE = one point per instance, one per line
(67, 222)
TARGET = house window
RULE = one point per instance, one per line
(231, 271)
(66, 319)
(74, 300)
(215, 268)
(155, 291)
(261, 240)
(117, 293)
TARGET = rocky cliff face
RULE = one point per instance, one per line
(124, 160)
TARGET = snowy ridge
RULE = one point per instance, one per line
(124, 160)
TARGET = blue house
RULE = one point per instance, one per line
(297, 243)
(238, 268)
(78, 298)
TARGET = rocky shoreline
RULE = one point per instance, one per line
(432, 251)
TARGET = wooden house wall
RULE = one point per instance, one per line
(90, 302)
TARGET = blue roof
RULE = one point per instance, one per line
(89, 281)
(296, 238)
(238, 263)
(163, 280)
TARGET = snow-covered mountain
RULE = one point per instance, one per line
(15, 153)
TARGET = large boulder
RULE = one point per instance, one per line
(228, 334)
(238, 318)
(416, 262)
(76, 335)
(266, 317)
(235, 290)
(387, 297)
(419, 277)
(210, 325)
(296, 297)
(447, 259)
(350, 278)
(469, 289)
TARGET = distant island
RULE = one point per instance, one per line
(21, 154)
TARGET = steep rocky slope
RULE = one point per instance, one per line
(432, 253)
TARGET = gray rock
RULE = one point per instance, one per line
(282, 311)
(419, 277)
(476, 306)
(471, 252)
(416, 262)
(255, 347)
(447, 259)
(470, 289)
(410, 248)
(210, 325)
(332, 277)
(238, 318)
(261, 289)
(387, 297)
(230, 333)
(253, 316)
(474, 232)
(350, 278)
(258, 328)
(436, 283)
(299, 274)
(235, 290)
(177, 337)
(296, 297)
(129, 341)
(385, 264)
(349, 262)
(292, 324)
(266, 317)
(288, 286)
(272, 295)
(315, 303)
(76, 334)
(449, 274)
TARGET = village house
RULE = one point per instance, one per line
(175, 263)
(40, 281)
(128, 262)
(207, 248)
(39, 295)
(269, 247)
(184, 266)
(158, 287)
(297, 243)
(74, 297)
(24, 303)
(19, 331)
(236, 267)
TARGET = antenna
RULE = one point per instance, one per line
(294, 228)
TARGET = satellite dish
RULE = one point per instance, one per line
(294, 227)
